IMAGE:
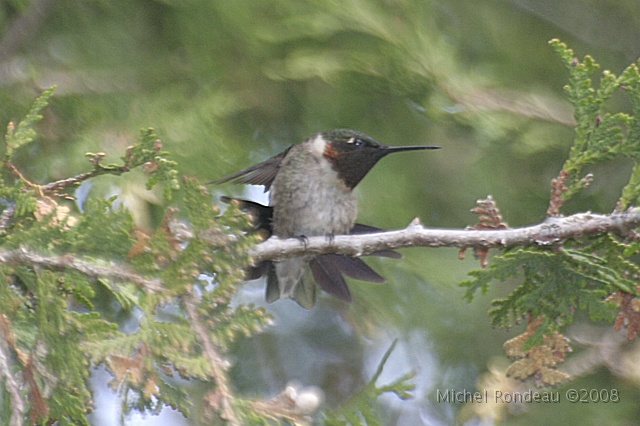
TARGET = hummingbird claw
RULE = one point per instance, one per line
(304, 240)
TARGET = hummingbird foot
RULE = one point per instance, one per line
(303, 239)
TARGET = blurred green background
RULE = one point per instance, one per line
(229, 83)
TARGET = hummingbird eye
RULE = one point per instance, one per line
(358, 142)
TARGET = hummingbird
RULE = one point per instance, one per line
(311, 193)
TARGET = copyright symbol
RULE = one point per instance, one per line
(572, 395)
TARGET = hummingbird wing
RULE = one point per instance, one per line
(262, 173)
(262, 215)
(258, 271)
(360, 228)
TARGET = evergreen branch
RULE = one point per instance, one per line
(17, 173)
(216, 362)
(54, 187)
(98, 170)
(11, 385)
(551, 231)
(87, 267)
(383, 361)
(146, 154)
(23, 133)
(358, 410)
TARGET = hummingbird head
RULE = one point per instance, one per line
(352, 154)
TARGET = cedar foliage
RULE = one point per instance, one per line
(595, 275)
(61, 265)
(58, 269)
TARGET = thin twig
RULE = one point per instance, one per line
(216, 362)
(551, 231)
(76, 180)
(52, 188)
(87, 267)
(13, 169)
(11, 385)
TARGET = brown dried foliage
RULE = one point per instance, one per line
(490, 218)
(539, 361)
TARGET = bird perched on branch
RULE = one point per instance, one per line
(311, 193)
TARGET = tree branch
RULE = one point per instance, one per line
(11, 383)
(98, 170)
(551, 231)
(53, 187)
(217, 363)
(90, 268)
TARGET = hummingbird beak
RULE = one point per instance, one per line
(390, 149)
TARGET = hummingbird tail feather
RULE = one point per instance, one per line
(328, 276)
(272, 290)
(353, 267)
